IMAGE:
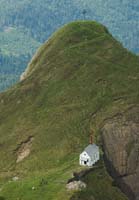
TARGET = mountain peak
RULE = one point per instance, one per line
(72, 34)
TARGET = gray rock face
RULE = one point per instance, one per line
(76, 186)
(120, 136)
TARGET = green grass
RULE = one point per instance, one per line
(51, 185)
(47, 185)
(99, 186)
(81, 70)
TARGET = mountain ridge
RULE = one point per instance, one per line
(79, 78)
(23, 27)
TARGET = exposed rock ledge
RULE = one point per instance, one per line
(120, 138)
(23, 150)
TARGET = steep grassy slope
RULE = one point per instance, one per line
(27, 23)
(77, 79)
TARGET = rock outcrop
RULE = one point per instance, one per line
(76, 186)
(120, 136)
(23, 150)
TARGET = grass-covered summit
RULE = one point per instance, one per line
(26, 24)
(76, 80)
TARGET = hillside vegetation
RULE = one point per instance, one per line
(76, 80)
(25, 24)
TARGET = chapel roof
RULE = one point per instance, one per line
(91, 148)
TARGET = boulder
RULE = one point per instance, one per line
(76, 186)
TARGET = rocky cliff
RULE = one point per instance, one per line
(120, 135)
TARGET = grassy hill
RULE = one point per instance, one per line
(76, 80)
(26, 24)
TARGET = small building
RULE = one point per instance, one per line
(90, 155)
